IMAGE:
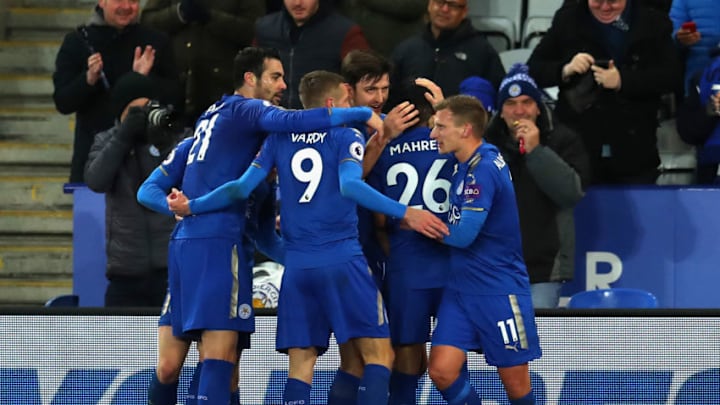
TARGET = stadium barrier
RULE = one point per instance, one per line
(87, 356)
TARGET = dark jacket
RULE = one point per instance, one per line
(625, 120)
(136, 238)
(204, 52)
(319, 44)
(92, 103)
(386, 23)
(548, 181)
(449, 59)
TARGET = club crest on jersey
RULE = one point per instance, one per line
(245, 311)
(357, 150)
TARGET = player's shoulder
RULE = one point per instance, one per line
(349, 132)
(487, 161)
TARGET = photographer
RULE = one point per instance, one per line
(120, 159)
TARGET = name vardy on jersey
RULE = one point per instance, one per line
(310, 137)
(414, 146)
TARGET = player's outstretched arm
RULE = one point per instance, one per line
(352, 186)
(275, 119)
(464, 232)
(225, 195)
(153, 191)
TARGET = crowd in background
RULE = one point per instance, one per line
(612, 60)
(139, 80)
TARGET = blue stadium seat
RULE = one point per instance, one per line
(613, 298)
(63, 301)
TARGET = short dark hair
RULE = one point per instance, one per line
(362, 64)
(251, 59)
(316, 86)
(415, 94)
(466, 109)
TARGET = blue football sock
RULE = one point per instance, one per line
(296, 392)
(461, 392)
(402, 388)
(344, 389)
(192, 391)
(162, 394)
(374, 386)
(214, 387)
(235, 397)
(528, 399)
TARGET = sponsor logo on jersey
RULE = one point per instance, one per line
(471, 192)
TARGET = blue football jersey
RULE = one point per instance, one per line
(227, 137)
(318, 224)
(411, 171)
(493, 263)
(174, 164)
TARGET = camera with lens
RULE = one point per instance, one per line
(159, 116)
(161, 122)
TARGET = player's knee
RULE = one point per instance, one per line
(168, 371)
(442, 377)
(385, 357)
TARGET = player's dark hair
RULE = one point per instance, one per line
(466, 109)
(415, 94)
(316, 86)
(362, 64)
(251, 59)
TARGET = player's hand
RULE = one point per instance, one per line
(178, 203)
(143, 59)
(715, 100)
(436, 94)
(607, 78)
(94, 67)
(400, 118)
(376, 123)
(687, 38)
(579, 64)
(426, 223)
(526, 130)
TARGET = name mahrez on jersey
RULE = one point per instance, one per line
(310, 137)
(414, 146)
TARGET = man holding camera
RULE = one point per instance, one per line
(93, 57)
(120, 159)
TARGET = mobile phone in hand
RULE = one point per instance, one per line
(603, 63)
(689, 26)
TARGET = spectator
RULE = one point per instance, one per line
(698, 119)
(90, 61)
(482, 90)
(385, 23)
(205, 37)
(627, 50)
(119, 160)
(549, 168)
(697, 42)
(310, 36)
(447, 50)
